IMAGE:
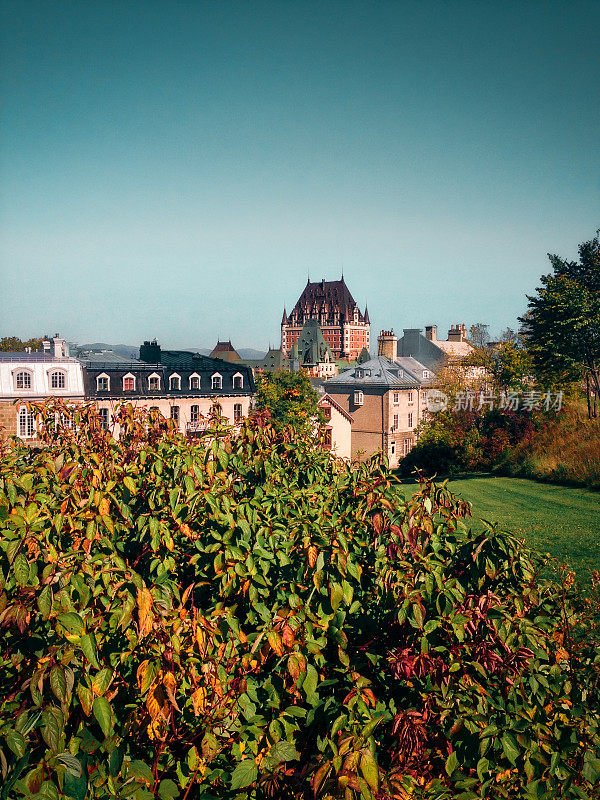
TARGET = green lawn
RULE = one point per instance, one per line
(561, 520)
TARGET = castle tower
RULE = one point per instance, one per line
(344, 327)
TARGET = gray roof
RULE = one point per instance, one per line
(40, 355)
(108, 358)
(381, 371)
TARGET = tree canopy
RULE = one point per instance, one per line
(288, 397)
(562, 323)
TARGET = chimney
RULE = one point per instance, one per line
(431, 332)
(457, 333)
(150, 352)
(387, 345)
(59, 346)
(46, 345)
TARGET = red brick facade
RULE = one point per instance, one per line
(345, 328)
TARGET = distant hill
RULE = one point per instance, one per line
(133, 351)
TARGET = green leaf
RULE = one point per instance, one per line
(58, 682)
(88, 645)
(16, 741)
(130, 484)
(76, 786)
(451, 763)
(167, 790)
(369, 769)
(44, 602)
(72, 765)
(310, 682)
(139, 769)
(284, 751)
(244, 774)
(483, 766)
(336, 596)
(511, 750)
(101, 710)
(72, 622)
(21, 569)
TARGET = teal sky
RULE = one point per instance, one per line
(176, 169)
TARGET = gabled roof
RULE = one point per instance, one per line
(327, 398)
(311, 347)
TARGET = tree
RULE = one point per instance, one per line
(511, 366)
(14, 343)
(289, 398)
(562, 324)
(479, 334)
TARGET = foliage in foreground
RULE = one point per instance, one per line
(247, 617)
(289, 398)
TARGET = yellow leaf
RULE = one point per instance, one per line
(144, 599)
(170, 685)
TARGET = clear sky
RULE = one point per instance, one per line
(176, 169)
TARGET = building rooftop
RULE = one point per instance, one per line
(381, 371)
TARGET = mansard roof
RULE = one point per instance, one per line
(402, 373)
(334, 294)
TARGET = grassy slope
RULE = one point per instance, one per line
(561, 520)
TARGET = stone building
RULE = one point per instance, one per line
(33, 378)
(344, 327)
(185, 387)
(385, 396)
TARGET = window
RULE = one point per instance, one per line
(238, 381)
(194, 381)
(154, 382)
(326, 412)
(195, 413)
(327, 438)
(58, 380)
(358, 398)
(103, 383)
(407, 446)
(175, 414)
(425, 373)
(217, 382)
(129, 383)
(393, 448)
(410, 420)
(174, 382)
(23, 380)
(395, 425)
(410, 397)
(26, 423)
(396, 398)
(104, 415)
(237, 413)
(216, 410)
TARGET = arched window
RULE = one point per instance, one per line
(103, 383)
(174, 382)
(129, 383)
(23, 380)
(154, 381)
(216, 381)
(58, 379)
(26, 423)
(194, 381)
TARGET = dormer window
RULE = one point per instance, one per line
(359, 398)
(154, 382)
(23, 380)
(216, 381)
(103, 383)
(174, 382)
(129, 383)
(358, 373)
(425, 373)
(238, 381)
(195, 381)
(58, 380)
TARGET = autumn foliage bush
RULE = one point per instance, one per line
(247, 617)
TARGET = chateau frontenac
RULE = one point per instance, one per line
(345, 328)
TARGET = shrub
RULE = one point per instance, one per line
(248, 617)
